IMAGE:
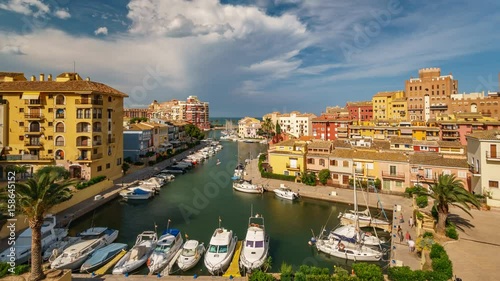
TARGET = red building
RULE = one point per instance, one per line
(360, 111)
(136, 113)
(330, 127)
(196, 112)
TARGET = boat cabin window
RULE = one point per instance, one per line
(249, 244)
(259, 244)
(188, 252)
(223, 249)
(212, 249)
(23, 240)
(46, 234)
(163, 248)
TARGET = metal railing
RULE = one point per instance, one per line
(393, 175)
(489, 155)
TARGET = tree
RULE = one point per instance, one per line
(34, 199)
(309, 179)
(446, 191)
(323, 176)
(278, 128)
(138, 119)
(125, 168)
(268, 127)
(194, 132)
(61, 171)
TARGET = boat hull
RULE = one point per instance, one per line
(330, 247)
(92, 264)
(186, 263)
(219, 267)
(239, 188)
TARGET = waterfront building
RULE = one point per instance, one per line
(66, 121)
(340, 166)
(486, 104)
(425, 169)
(137, 141)
(288, 157)
(429, 94)
(159, 136)
(389, 106)
(483, 156)
(248, 127)
(192, 110)
(330, 127)
(455, 127)
(360, 110)
(294, 123)
(129, 113)
(337, 111)
(318, 155)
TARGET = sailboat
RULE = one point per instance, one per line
(351, 247)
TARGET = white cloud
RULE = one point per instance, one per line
(12, 50)
(26, 7)
(62, 14)
(101, 30)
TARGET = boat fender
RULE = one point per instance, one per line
(341, 246)
(149, 262)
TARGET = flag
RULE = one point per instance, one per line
(169, 220)
(220, 219)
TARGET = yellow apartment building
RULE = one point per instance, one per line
(65, 121)
(288, 157)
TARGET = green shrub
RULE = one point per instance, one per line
(138, 163)
(277, 176)
(422, 201)
(419, 216)
(434, 212)
(286, 272)
(261, 276)
(18, 270)
(323, 176)
(128, 160)
(367, 271)
(92, 181)
(451, 231)
(309, 179)
(414, 190)
(437, 251)
(428, 234)
(443, 265)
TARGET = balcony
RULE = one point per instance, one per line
(450, 136)
(88, 102)
(476, 172)
(84, 130)
(493, 157)
(97, 130)
(110, 140)
(25, 157)
(389, 175)
(290, 167)
(33, 116)
(33, 102)
(97, 116)
(342, 129)
(432, 138)
(33, 143)
(97, 142)
(449, 128)
(96, 156)
(439, 106)
(83, 143)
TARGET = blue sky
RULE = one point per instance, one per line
(251, 57)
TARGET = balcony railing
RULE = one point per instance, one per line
(98, 142)
(89, 102)
(495, 156)
(97, 116)
(33, 102)
(296, 167)
(111, 140)
(386, 174)
(83, 143)
(33, 130)
(84, 130)
(33, 116)
(96, 156)
(59, 143)
(474, 170)
(97, 129)
(33, 143)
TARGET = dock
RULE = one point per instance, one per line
(234, 267)
(167, 270)
(110, 264)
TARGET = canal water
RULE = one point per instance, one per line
(193, 203)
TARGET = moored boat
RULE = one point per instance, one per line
(74, 256)
(190, 255)
(168, 244)
(247, 187)
(138, 255)
(220, 251)
(255, 246)
(102, 256)
(57, 248)
(285, 193)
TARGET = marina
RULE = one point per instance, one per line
(195, 199)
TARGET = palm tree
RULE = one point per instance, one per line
(35, 197)
(446, 191)
(268, 126)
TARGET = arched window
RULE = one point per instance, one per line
(473, 107)
(83, 127)
(60, 100)
(35, 126)
(59, 141)
(60, 127)
(59, 154)
(96, 127)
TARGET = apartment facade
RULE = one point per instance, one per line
(248, 127)
(64, 121)
(330, 127)
(294, 123)
(486, 104)
(360, 111)
(288, 157)
(483, 155)
(389, 106)
(429, 94)
(137, 141)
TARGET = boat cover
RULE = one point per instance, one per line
(140, 191)
(173, 231)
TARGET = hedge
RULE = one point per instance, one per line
(422, 201)
(18, 270)
(92, 181)
(451, 231)
(277, 176)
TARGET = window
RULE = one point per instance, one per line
(369, 166)
(60, 100)
(50, 138)
(428, 173)
(95, 150)
(118, 161)
(60, 127)
(392, 170)
(322, 162)
(493, 184)
(51, 110)
(50, 124)
(59, 141)
(462, 174)
(99, 168)
(108, 165)
(21, 124)
(310, 161)
(399, 184)
(333, 162)
(286, 173)
(345, 163)
(446, 172)
(21, 109)
(335, 176)
(414, 170)
(387, 185)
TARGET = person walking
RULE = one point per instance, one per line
(401, 219)
(410, 222)
(400, 234)
(407, 236)
(411, 245)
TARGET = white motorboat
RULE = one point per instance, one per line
(220, 251)
(247, 187)
(168, 244)
(102, 256)
(350, 248)
(136, 193)
(349, 234)
(190, 255)
(285, 193)
(109, 235)
(255, 246)
(22, 249)
(74, 256)
(57, 248)
(238, 172)
(138, 255)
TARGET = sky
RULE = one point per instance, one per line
(251, 57)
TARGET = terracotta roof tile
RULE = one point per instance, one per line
(53, 86)
(426, 143)
(450, 144)
(10, 74)
(401, 140)
(486, 135)
(341, 144)
(380, 156)
(433, 159)
(319, 144)
(381, 144)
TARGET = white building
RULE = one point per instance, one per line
(294, 123)
(483, 155)
(248, 127)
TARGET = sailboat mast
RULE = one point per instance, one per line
(355, 200)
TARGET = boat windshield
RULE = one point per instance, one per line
(223, 249)
(162, 248)
(188, 252)
(254, 244)
(212, 249)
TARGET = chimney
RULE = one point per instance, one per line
(87, 79)
(49, 77)
(33, 78)
(42, 77)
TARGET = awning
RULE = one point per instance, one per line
(30, 95)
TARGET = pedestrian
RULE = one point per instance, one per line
(400, 234)
(401, 219)
(407, 236)
(410, 222)
(411, 245)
